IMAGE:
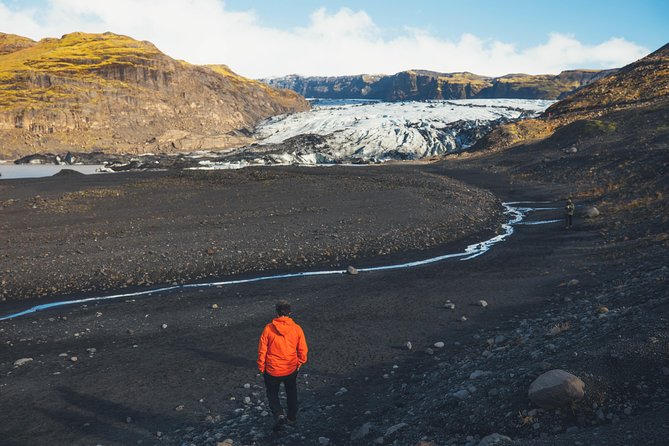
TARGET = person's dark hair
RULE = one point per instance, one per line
(283, 308)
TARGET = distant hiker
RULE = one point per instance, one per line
(281, 352)
(569, 212)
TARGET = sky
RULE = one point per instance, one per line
(268, 38)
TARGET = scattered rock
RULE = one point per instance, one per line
(492, 439)
(429, 351)
(449, 306)
(573, 282)
(74, 359)
(180, 407)
(591, 212)
(555, 389)
(461, 394)
(408, 345)
(477, 374)
(22, 361)
(352, 271)
(323, 441)
(226, 442)
(439, 344)
(463, 318)
(214, 306)
(361, 432)
(482, 303)
(602, 310)
(392, 429)
(164, 325)
(341, 391)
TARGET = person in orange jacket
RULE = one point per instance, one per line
(282, 350)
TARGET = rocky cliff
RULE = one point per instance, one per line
(424, 85)
(113, 93)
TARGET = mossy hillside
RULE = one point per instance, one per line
(59, 69)
(114, 93)
(644, 81)
(11, 42)
(586, 114)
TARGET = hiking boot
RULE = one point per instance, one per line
(279, 422)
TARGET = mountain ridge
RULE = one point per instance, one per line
(426, 85)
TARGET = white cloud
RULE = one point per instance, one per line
(332, 43)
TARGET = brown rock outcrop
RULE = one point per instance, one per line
(111, 92)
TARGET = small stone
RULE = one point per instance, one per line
(74, 359)
(463, 318)
(461, 394)
(627, 411)
(91, 350)
(483, 303)
(392, 429)
(493, 439)
(247, 400)
(477, 374)
(226, 442)
(22, 361)
(164, 325)
(408, 345)
(602, 310)
(63, 355)
(247, 386)
(379, 440)
(341, 391)
(573, 282)
(128, 420)
(439, 344)
(352, 271)
(361, 432)
(323, 441)
(180, 407)
(214, 306)
(429, 351)
(449, 306)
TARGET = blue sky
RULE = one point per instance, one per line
(270, 37)
(641, 21)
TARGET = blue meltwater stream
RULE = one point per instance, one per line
(514, 210)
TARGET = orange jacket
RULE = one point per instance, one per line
(282, 348)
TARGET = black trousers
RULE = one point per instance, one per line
(568, 220)
(272, 384)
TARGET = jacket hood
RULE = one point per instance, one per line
(283, 325)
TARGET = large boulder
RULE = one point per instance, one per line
(556, 388)
(493, 439)
(591, 212)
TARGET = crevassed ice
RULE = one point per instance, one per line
(390, 130)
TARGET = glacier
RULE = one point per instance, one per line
(373, 132)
